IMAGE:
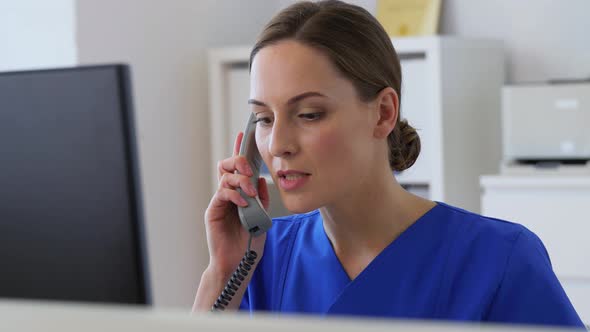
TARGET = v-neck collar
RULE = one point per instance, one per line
(372, 278)
(407, 233)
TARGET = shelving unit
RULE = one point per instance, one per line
(450, 93)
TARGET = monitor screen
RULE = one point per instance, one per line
(71, 225)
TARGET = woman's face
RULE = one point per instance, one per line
(313, 132)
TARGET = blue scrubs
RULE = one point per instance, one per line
(451, 264)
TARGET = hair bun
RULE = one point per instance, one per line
(404, 146)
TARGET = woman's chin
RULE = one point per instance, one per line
(296, 206)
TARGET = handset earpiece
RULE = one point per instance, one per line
(253, 217)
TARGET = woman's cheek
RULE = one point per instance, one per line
(330, 144)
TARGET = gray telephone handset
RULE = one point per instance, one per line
(253, 217)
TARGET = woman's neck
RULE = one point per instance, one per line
(362, 224)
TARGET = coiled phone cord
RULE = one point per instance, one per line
(236, 279)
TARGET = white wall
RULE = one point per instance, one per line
(37, 34)
(165, 42)
(544, 39)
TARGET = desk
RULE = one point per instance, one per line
(32, 317)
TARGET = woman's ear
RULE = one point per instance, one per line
(387, 104)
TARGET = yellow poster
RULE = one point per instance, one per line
(409, 17)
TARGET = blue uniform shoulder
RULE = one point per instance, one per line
(476, 228)
(477, 250)
(506, 268)
(497, 233)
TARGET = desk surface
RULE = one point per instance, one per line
(47, 317)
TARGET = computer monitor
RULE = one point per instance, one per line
(71, 226)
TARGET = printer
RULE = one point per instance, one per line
(546, 122)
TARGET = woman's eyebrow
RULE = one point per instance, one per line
(291, 101)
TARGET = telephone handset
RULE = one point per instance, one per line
(252, 217)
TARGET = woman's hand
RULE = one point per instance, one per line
(227, 239)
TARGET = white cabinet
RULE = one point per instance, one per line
(555, 208)
(450, 93)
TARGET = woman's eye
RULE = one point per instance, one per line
(311, 116)
(263, 121)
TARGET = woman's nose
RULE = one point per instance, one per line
(282, 143)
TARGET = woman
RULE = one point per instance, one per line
(325, 88)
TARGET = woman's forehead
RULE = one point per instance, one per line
(289, 68)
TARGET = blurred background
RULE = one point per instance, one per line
(166, 44)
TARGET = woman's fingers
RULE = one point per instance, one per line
(230, 165)
(236, 162)
(229, 180)
(232, 181)
(237, 143)
(225, 195)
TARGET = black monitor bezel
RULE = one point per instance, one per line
(133, 170)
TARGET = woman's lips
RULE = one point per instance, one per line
(292, 180)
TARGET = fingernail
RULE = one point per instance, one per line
(251, 189)
(249, 170)
(243, 201)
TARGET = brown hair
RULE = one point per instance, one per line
(359, 47)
